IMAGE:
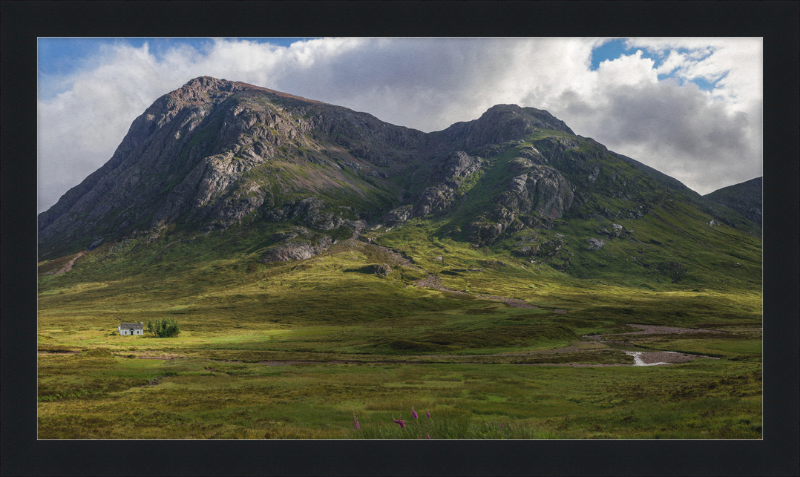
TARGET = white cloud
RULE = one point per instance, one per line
(738, 61)
(707, 140)
(629, 70)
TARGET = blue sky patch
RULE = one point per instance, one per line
(611, 50)
(62, 55)
(59, 57)
(703, 84)
(616, 48)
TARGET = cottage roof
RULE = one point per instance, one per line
(135, 326)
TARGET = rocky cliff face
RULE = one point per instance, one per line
(215, 153)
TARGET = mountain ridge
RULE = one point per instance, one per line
(216, 153)
(744, 197)
(194, 101)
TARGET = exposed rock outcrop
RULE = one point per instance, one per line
(539, 189)
(399, 214)
(381, 270)
(455, 167)
(594, 244)
(614, 232)
(433, 199)
(297, 249)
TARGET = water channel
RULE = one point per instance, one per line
(637, 352)
(634, 351)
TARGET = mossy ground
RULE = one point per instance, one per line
(293, 350)
(120, 397)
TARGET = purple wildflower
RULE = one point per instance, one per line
(428, 413)
(355, 422)
(399, 421)
(428, 436)
(413, 412)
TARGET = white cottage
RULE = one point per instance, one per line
(131, 328)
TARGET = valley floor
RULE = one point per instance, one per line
(305, 349)
(145, 389)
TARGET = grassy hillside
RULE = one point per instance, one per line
(293, 349)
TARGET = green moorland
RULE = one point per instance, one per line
(297, 349)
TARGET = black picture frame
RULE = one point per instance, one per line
(776, 22)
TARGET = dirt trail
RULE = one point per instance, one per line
(68, 267)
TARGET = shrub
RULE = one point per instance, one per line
(164, 328)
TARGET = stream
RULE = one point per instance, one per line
(637, 357)
(649, 357)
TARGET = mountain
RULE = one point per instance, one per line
(299, 175)
(214, 152)
(744, 198)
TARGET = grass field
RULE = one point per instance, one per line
(298, 349)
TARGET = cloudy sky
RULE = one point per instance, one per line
(691, 108)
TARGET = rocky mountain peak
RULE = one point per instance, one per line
(206, 89)
(499, 124)
(214, 153)
(521, 119)
(195, 88)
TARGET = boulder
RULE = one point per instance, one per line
(381, 270)
(594, 244)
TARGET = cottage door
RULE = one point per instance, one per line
(131, 330)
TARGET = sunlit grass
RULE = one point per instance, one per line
(210, 399)
(339, 340)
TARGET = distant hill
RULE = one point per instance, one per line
(744, 198)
